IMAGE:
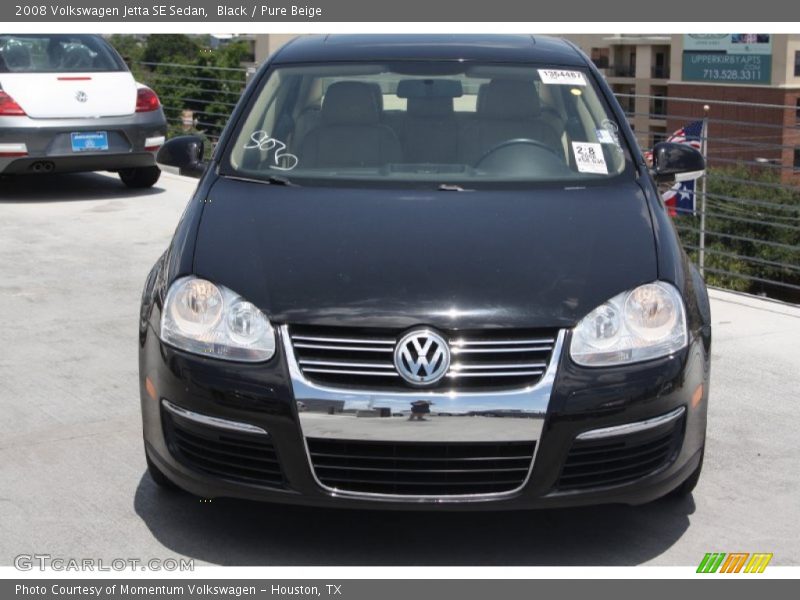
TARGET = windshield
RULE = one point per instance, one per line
(448, 123)
(31, 53)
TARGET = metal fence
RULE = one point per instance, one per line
(744, 229)
(195, 98)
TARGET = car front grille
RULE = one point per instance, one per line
(620, 460)
(421, 468)
(235, 456)
(364, 358)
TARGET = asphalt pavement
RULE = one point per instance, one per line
(74, 252)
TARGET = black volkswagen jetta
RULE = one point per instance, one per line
(426, 271)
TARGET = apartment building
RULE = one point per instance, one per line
(638, 68)
(750, 83)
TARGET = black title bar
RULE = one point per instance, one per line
(441, 11)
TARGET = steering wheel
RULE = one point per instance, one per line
(514, 142)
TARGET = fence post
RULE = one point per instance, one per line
(701, 252)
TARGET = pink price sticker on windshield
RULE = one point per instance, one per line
(561, 77)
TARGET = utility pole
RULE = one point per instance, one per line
(701, 254)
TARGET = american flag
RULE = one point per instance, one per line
(680, 197)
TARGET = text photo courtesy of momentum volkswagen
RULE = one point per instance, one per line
(428, 272)
(69, 103)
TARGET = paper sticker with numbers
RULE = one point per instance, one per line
(561, 77)
(589, 157)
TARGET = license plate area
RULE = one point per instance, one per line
(89, 141)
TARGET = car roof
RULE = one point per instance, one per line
(491, 48)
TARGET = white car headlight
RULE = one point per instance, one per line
(645, 323)
(209, 319)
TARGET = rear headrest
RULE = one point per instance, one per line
(378, 93)
(78, 57)
(419, 88)
(508, 99)
(430, 107)
(350, 102)
(18, 57)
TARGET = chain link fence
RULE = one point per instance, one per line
(744, 227)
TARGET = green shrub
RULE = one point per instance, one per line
(749, 207)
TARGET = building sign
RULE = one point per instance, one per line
(744, 58)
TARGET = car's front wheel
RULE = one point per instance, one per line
(140, 177)
(687, 487)
(158, 476)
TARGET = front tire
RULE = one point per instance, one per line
(687, 487)
(158, 476)
(140, 177)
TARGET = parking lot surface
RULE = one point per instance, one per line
(74, 252)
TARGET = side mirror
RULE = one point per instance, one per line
(184, 154)
(676, 162)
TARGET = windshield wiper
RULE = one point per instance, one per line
(450, 187)
(269, 179)
(278, 180)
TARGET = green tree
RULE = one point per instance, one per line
(169, 47)
(187, 74)
(753, 225)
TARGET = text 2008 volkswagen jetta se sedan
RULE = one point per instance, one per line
(426, 272)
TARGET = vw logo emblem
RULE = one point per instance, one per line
(81, 96)
(422, 357)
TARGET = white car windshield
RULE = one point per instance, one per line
(422, 122)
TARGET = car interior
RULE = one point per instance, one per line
(56, 53)
(435, 125)
(429, 130)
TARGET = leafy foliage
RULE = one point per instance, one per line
(188, 75)
(753, 232)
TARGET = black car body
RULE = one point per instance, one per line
(424, 327)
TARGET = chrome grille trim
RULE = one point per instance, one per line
(210, 421)
(460, 342)
(461, 374)
(635, 427)
(508, 415)
(353, 372)
(333, 363)
(517, 349)
(335, 358)
(430, 469)
(308, 338)
(342, 348)
(460, 367)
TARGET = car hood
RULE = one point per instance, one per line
(396, 258)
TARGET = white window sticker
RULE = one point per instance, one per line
(561, 77)
(589, 157)
(604, 136)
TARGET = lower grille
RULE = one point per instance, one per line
(353, 358)
(620, 460)
(421, 469)
(234, 456)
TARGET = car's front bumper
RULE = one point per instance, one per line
(580, 400)
(34, 146)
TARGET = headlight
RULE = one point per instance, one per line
(212, 320)
(638, 325)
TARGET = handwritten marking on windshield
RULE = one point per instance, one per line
(281, 160)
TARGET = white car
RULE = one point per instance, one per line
(69, 103)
